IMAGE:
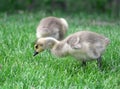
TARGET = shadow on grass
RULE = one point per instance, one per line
(77, 68)
(111, 66)
(74, 67)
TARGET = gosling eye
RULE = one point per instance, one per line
(36, 46)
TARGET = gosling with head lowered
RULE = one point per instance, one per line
(83, 45)
(52, 27)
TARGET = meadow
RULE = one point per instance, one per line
(20, 70)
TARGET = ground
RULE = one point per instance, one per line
(20, 70)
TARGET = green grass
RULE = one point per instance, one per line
(20, 70)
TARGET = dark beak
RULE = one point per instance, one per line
(35, 53)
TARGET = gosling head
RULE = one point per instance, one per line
(44, 43)
(38, 47)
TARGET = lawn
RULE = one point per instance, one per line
(20, 70)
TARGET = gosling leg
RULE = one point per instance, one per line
(83, 63)
(99, 61)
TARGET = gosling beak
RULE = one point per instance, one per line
(35, 53)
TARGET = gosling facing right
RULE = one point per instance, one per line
(82, 45)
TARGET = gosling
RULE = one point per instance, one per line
(52, 27)
(82, 45)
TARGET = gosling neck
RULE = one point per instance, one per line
(51, 42)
